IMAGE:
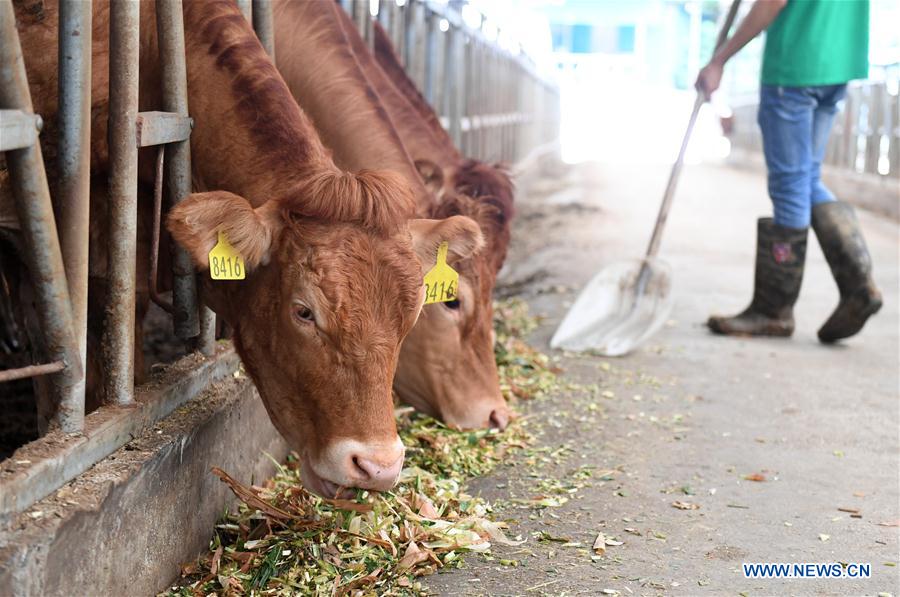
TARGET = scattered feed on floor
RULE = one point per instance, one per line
(284, 540)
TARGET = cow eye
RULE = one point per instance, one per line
(303, 313)
(452, 305)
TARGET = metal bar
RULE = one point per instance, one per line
(154, 237)
(355, 8)
(493, 151)
(400, 19)
(466, 100)
(410, 37)
(35, 212)
(75, 32)
(263, 25)
(874, 126)
(177, 170)
(509, 94)
(34, 472)
(893, 131)
(851, 107)
(431, 23)
(417, 56)
(363, 19)
(368, 18)
(18, 129)
(206, 343)
(74, 184)
(118, 334)
(476, 93)
(451, 84)
(481, 90)
(161, 128)
(385, 16)
(31, 371)
(246, 7)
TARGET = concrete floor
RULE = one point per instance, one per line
(690, 415)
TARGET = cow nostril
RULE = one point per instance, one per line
(499, 419)
(359, 468)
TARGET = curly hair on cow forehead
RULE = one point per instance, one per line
(483, 192)
(481, 180)
(381, 201)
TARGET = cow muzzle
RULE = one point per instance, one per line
(347, 464)
(480, 414)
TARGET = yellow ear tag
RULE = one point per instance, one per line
(441, 281)
(225, 263)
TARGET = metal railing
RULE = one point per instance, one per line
(492, 101)
(31, 193)
(60, 276)
(865, 138)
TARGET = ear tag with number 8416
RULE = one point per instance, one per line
(441, 281)
(225, 263)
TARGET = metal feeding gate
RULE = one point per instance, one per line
(449, 61)
(492, 101)
(57, 252)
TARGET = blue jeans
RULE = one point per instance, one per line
(795, 124)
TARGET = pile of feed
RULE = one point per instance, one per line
(283, 540)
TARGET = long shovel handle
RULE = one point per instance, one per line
(656, 238)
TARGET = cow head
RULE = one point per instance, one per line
(334, 284)
(447, 367)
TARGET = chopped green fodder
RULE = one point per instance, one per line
(284, 540)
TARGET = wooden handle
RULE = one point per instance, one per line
(656, 238)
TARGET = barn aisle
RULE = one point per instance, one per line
(696, 453)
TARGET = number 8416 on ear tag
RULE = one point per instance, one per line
(441, 281)
(225, 263)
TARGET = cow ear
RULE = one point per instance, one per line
(196, 221)
(462, 235)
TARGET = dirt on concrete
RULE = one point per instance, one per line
(696, 453)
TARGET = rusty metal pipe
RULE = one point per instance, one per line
(206, 342)
(152, 283)
(177, 171)
(42, 252)
(31, 371)
(264, 26)
(118, 334)
(74, 184)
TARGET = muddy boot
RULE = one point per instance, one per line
(845, 249)
(780, 254)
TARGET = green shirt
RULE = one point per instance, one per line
(817, 42)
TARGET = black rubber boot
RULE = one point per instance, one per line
(845, 249)
(780, 255)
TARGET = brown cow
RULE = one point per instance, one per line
(451, 371)
(335, 265)
(467, 187)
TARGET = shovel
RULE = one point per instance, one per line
(627, 302)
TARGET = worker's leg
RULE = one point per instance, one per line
(840, 236)
(785, 118)
(827, 99)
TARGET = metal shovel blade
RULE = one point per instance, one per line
(621, 307)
